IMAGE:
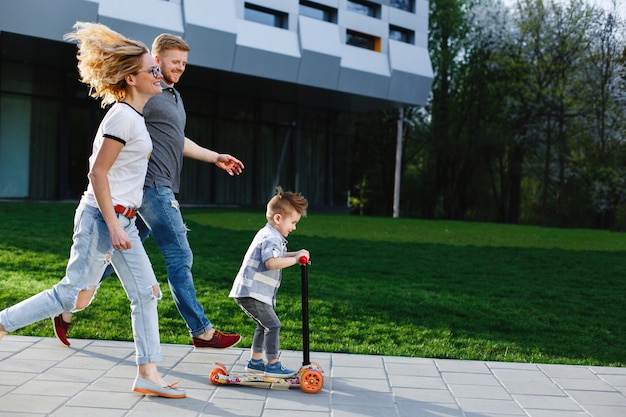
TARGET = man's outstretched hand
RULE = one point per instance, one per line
(229, 164)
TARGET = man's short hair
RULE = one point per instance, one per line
(166, 41)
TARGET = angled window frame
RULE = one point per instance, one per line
(364, 7)
(401, 34)
(255, 13)
(406, 5)
(363, 40)
(318, 11)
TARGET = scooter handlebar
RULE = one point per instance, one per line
(303, 260)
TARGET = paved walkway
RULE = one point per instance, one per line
(93, 378)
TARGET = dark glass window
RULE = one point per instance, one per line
(266, 16)
(318, 11)
(362, 40)
(364, 7)
(401, 34)
(407, 5)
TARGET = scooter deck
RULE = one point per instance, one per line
(256, 380)
(309, 378)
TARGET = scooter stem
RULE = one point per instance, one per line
(306, 360)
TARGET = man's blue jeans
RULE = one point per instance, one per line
(160, 216)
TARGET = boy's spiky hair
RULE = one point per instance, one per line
(285, 202)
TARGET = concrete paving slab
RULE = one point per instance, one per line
(41, 377)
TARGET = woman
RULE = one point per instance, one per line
(120, 72)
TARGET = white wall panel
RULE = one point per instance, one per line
(321, 53)
(45, 19)
(310, 52)
(211, 31)
(266, 51)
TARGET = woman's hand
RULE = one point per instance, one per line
(119, 238)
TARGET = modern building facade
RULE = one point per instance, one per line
(272, 82)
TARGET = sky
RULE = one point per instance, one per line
(607, 4)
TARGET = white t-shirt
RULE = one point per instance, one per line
(126, 177)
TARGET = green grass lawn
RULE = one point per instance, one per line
(384, 286)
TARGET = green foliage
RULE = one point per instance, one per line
(407, 287)
(525, 122)
(359, 201)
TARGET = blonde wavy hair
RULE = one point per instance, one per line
(105, 58)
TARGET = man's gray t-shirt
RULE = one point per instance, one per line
(165, 119)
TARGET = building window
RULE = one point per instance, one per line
(362, 40)
(364, 7)
(406, 5)
(318, 11)
(401, 34)
(266, 16)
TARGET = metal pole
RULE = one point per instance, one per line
(396, 184)
(282, 158)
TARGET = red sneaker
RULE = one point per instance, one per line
(61, 328)
(218, 341)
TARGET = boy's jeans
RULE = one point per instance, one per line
(161, 217)
(267, 332)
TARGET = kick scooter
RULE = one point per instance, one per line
(310, 377)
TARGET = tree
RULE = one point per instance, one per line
(603, 122)
(447, 28)
(525, 123)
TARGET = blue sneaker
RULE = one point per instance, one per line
(255, 366)
(277, 370)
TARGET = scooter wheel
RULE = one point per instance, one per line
(311, 381)
(214, 375)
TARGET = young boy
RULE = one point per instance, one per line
(258, 279)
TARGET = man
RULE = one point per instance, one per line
(160, 212)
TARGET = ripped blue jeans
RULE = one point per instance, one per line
(90, 254)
